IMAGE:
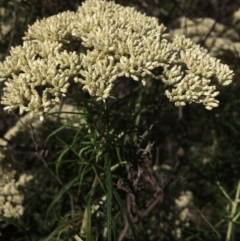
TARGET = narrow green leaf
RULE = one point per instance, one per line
(60, 194)
(208, 223)
(115, 193)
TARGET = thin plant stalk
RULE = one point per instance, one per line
(234, 205)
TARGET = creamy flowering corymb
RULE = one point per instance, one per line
(95, 46)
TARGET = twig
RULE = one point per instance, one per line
(40, 154)
(234, 204)
(143, 167)
(146, 212)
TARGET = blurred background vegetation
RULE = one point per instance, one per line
(189, 188)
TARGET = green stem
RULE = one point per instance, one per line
(86, 217)
(234, 205)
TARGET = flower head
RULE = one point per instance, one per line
(95, 46)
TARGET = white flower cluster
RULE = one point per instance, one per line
(180, 214)
(236, 16)
(11, 185)
(37, 76)
(11, 195)
(182, 205)
(95, 46)
(11, 198)
(123, 42)
(191, 80)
